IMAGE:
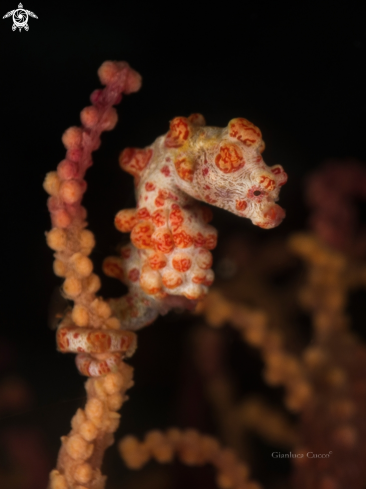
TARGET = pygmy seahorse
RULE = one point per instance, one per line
(168, 262)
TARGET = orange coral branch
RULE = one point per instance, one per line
(91, 330)
(192, 448)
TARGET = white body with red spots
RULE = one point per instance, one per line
(171, 238)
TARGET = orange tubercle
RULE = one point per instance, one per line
(280, 174)
(176, 217)
(197, 119)
(185, 168)
(211, 241)
(204, 259)
(157, 261)
(158, 218)
(143, 214)
(207, 241)
(267, 183)
(199, 277)
(112, 267)
(163, 241)
(172, 279)
(272, 217)
(163, 195)
(181, 262)
(125, 220)
(230, 158)
(194, 292)
(245, 131)
(141, 235)
(179, 132)
(182, 239)
(134, 161)
(150, 282)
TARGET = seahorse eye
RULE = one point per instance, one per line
(257, 193)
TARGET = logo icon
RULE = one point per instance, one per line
(20, 18)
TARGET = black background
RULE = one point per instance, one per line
(298, 72)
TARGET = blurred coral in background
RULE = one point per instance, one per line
(24, 461)
(332, 193)
(324, 377)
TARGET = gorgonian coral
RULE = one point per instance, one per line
(334, 193)
(168, 262)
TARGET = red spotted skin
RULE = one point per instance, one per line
(170, 235)
(98, 351)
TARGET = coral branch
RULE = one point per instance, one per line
(282, 368)
(332, 193)
(325, 382)
(82, 450)
(335, 363)
(192, 448)
(91, 330)
(236, 419)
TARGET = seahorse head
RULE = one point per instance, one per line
(224, 167)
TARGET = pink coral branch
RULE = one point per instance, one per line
(72, 242)
(333, 193)
(90, 330)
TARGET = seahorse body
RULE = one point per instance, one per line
(168, 260)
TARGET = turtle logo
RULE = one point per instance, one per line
(20, 17)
